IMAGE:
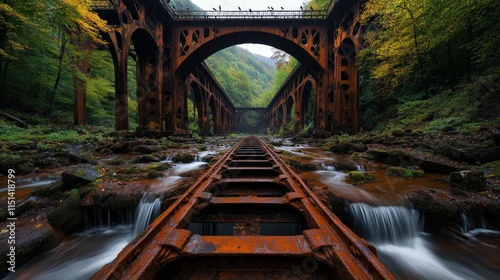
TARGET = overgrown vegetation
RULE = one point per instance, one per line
(430, 65)
(427, 66)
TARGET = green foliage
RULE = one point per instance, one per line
(279, 78)
(420, 72)
(241, 75)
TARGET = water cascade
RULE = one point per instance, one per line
(396, 232)
(327, 167)
(147, 210)
(360, 168)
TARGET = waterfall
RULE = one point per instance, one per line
(465, 222)
(396, 233)
(147, 210)
(360, 168)
(327, 167)
(396, 225)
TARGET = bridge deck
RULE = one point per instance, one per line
(241, 15)
(247, 223)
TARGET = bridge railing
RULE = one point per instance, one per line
(268, 14)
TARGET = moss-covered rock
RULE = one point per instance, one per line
(301, 165)
(468, 181)
(183, 157)
(361, 177)
(53, 190)
(67, 215)
(146, 159)
(153, 174)
(160, 167)
(357, 177)
(80, 174)
(344, 165)
(146, 149)
(418, 173)
(396, 171)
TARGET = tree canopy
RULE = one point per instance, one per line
(423, 50)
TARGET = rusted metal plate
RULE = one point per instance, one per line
(246, 200)
(247, 213)
(248, 245)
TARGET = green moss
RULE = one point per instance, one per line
(396, 171)
(67, 215)
(358, 177)
(130, 169)
(418, 173)
(284, 153)
(160, 167)
(153, 174)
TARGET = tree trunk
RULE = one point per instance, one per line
(62, 52)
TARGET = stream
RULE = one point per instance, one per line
(384, 217)
(381, 214)
(81, 255)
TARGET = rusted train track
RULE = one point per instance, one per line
(249, 217)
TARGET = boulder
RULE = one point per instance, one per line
(80, 174)
(183, 157)
(146, 149)
(67, 214)
(146, 159)
(357, 177)
(32, 239)
(467, 181)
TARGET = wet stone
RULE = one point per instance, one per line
(468, 180)
(80, 174)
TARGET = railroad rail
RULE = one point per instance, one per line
(249, 217)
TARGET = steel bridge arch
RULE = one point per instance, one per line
(201, 50)
(183, 41)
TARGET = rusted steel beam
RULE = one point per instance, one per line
(224, 214)
(247, 200)
(248, 245)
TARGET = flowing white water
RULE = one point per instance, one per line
(396, 225)
(78, 257)
(336, 180)
(465, 222)
(147, 210)
(360, 168)
(327, 167)
(81, 255)
(396, 232)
